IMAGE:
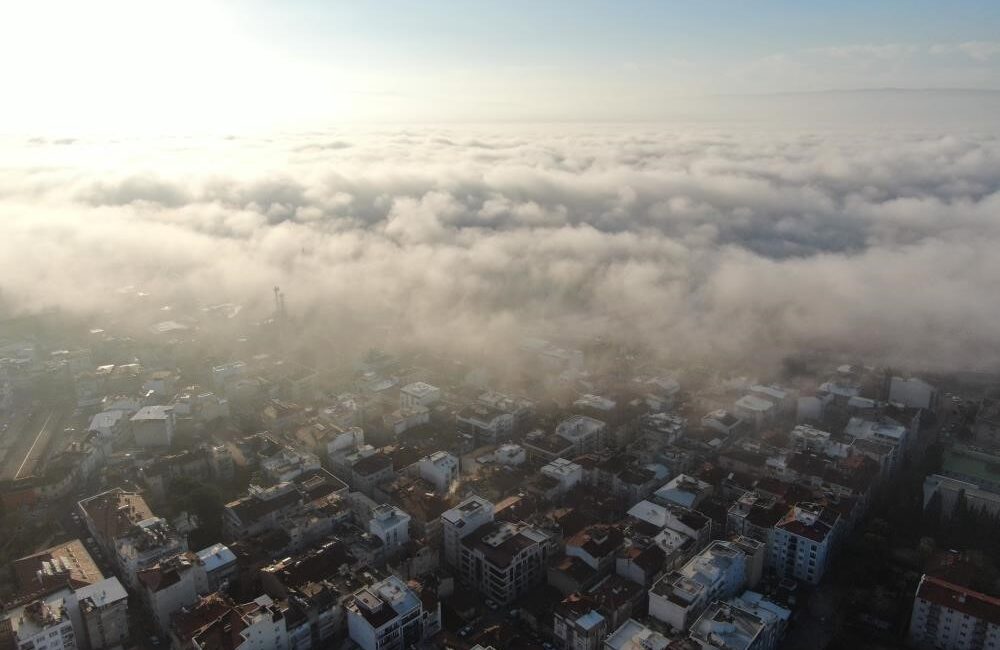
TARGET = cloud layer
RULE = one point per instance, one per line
(720, 244)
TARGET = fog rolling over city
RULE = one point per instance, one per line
(738, 242)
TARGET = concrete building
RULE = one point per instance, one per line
(461, 521)
(754, 515)
(288, 463)
(102, 609)
(577, 624)
(721, 571)
(153, 426)
(219, 566)
(510, 454)
(170, 585)
(949, 617)
(504, 560)
(727, 627)
(913, 392)
(391, 525)
(721, 421)
(785, 401)
(486, 424)
(756, 411)
(803, 542)
(633, 635)
(404, 419)
(386, 616)
(40, 624)
(227, 373)
(418, 394)
(145, 544)
(439, 469)
(257, 625)
(112, 514)
(567, 473)
(584, 433)
(684, 490)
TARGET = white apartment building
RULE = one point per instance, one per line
(684, 490)
(487, 424)
(418, 393)
(566, 472)
(784, 400)
(504, 560)
(913, 392)
(633, 635)
(720, 571)
(803, 541)
(461, 521)
(757, 411)
(949, 617)
(386, 616)
(510, 454)
(391, 525)
(727, 627)
(153, 426)
(101, 614)
(42, 624)
(170, 585)
(584, 433)
(288, 464)
(440, 469)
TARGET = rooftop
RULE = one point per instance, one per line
(960, 599)
(809, 520)
(754, 403)
(500, 542)
(726, 627)
(578, 427)
(66, 564)
(419, 389)
(633, 635)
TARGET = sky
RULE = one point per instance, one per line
(119, 66)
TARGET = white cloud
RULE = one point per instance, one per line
(732, 244)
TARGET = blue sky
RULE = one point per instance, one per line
(187, 64)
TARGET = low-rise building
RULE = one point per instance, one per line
(726, 627)
(440, 469)
(391, 525)
(584, 433)
(684, 490)
(633, 635)
(567, 473)
(153, 426)
(418, 393)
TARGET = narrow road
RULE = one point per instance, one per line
(30, 458)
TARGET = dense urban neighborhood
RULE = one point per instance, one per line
(209, 482)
